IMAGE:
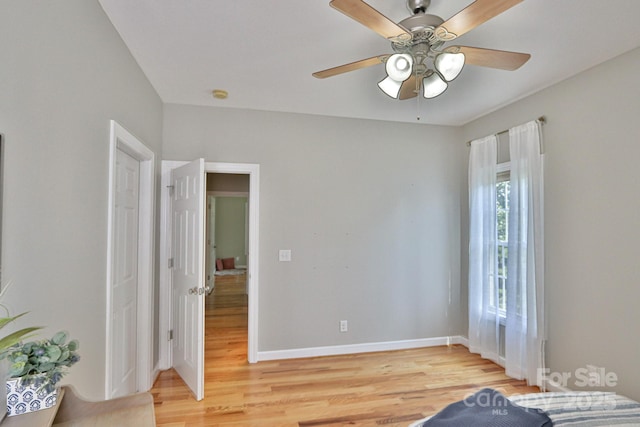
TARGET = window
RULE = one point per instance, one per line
(503, 188)
(506, 256)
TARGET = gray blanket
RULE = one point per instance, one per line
(488, 408)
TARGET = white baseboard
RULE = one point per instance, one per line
(337, 350)
(461, 340)
(154, 376)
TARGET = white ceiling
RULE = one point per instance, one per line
(263, 53)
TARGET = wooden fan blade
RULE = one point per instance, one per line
(492, 58)
(352, 66)
(478, 12)
(371, 18)
(409, 89)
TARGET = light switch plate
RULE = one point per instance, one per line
(285, 255)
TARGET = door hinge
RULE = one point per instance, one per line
(171, 188)
(170, 334)
(170, 263)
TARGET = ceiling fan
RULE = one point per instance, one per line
(421, 61)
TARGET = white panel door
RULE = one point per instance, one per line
(188, 212)
(125, 276)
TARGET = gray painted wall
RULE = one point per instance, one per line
(370, 210)
(65, 73)
(231, 229)
(592, 200)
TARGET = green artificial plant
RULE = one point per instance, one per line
(15, 337)
(43, 363)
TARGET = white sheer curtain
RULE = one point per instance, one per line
(525, 324)
(484, 325)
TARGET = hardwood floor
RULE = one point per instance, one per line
(387, 388)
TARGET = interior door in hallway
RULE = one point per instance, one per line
(125, 276)
(211, 243)
(188, 222)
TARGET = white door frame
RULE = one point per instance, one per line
(253, 170)
(121, 139)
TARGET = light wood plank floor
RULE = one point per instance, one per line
(387, 388)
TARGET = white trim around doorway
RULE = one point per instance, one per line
(121, 139)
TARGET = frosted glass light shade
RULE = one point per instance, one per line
(449, 65)
(390, 87)
(433, 85)
(399, 66)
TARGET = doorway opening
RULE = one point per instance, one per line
(227, 225)
(226, 257)
(167, 359)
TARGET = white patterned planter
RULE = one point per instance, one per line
(4, 374)
(22, 399)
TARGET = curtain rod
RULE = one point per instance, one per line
(542, 120)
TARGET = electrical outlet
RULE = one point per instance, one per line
(344, 326)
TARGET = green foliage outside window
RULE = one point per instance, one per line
(502, 212)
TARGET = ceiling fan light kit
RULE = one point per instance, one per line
(420, 58)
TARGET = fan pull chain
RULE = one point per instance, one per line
(418, 99)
